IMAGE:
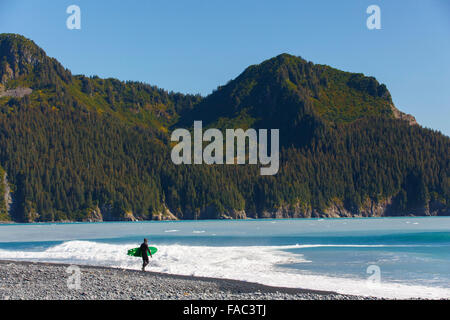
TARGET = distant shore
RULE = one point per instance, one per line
(48, 281)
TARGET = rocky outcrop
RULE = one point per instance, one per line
(128, 216)
(18, 92)
(7, 192)
(234, 214)
(437, 208)
(107, 213)
(403, 116)
(5, 197)
(370, 208)
(93, 215)
(297, 210)
(21, 57)
(7, 74)
(165, 214)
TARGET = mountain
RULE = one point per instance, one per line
(290, 93)
(76, 148)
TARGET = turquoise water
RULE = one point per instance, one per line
(411, 254)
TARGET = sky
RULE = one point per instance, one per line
(193, 46)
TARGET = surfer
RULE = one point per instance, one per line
(144, 252)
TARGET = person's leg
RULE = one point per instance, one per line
(144, 264)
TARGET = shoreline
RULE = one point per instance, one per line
(3, 222)
(23, 280)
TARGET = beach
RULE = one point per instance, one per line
(48, 281)
(405, 257)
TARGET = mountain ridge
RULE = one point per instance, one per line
(78, 148)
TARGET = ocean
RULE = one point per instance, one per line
(407, 257)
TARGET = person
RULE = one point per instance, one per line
(145, 251)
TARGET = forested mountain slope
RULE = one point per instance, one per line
(85, 149)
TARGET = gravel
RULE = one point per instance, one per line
(38, 281)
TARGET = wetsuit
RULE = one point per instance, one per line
(144, 253)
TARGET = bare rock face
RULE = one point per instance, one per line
(371, 208)
(7, 74)
(109, 213)
(21, 57)
(166, 214)
(234, 214)
(129, 216)
(19, 92)
(403, 116)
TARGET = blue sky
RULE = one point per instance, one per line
(192, 46)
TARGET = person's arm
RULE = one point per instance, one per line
(148, 249)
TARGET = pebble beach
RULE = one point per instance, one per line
(47, 281)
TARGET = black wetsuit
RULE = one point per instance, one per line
(144, 253)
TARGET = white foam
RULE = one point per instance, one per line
(248, 263)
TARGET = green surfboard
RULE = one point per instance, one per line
(136, 252)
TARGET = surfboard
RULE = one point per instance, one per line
(136, 252)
